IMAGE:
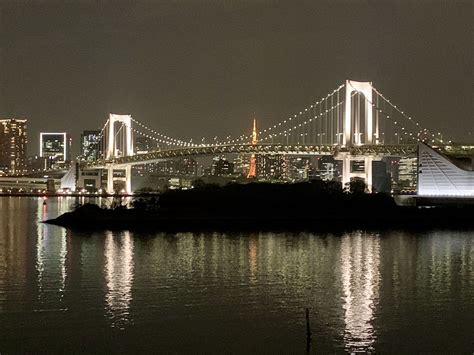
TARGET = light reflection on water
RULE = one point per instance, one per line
(51, 253)
(360, 281)
(118, 277)
(253, 259)
(230, 292)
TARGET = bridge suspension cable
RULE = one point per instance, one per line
(421, 132)
(161, 138)
(318, 123)
(321, 123)
(167, 143)
(298, 127)
(165, 138)
(398, 129)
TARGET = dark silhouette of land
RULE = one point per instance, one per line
(315, 205)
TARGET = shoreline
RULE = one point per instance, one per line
(72, 195)
(405, 218)
(315, 205)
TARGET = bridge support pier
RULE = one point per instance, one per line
(349, 172)
(128, 179)
(110, 180)
(368, 171)
(346, 170)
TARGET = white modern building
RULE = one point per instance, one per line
(438, 176)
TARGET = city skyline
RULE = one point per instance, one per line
(205, 176)
(228, 69)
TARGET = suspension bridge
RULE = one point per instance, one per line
(355, 121)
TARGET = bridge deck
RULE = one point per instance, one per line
(276, 149)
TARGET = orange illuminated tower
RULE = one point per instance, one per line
(253, 161)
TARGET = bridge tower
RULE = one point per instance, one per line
(119, 143)
(253, 161)
(358, 129)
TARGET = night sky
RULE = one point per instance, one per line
(204, 68)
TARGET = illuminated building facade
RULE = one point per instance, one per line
(90, 145)
(392, 169)
(241, 164)
(56, 147)
(13, 141)
(183, 167)
(178, 167)
(36, 164)
(221, 167)
(144, 145)
(407, 175)
(329, 169)
(188, 166)
(439, 176)
(299, 168)
(271, 167)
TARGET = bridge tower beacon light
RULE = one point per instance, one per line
(253, 161)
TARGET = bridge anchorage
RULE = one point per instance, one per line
(354, 123)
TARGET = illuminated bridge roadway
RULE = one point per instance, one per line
(275, 149)
(262, 149)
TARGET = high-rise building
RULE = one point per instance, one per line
(36, 164)
(90, 145)
(407, 173)
(221, 167)
(392, 169)
(271, 167)
(13, 142)
(188, 166)
(381, 178)
(143, 145)
(299, 168)
(182, 167)
(56, 147)
(241, 164)
(328, 168)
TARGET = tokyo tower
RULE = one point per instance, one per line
(253, 161)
